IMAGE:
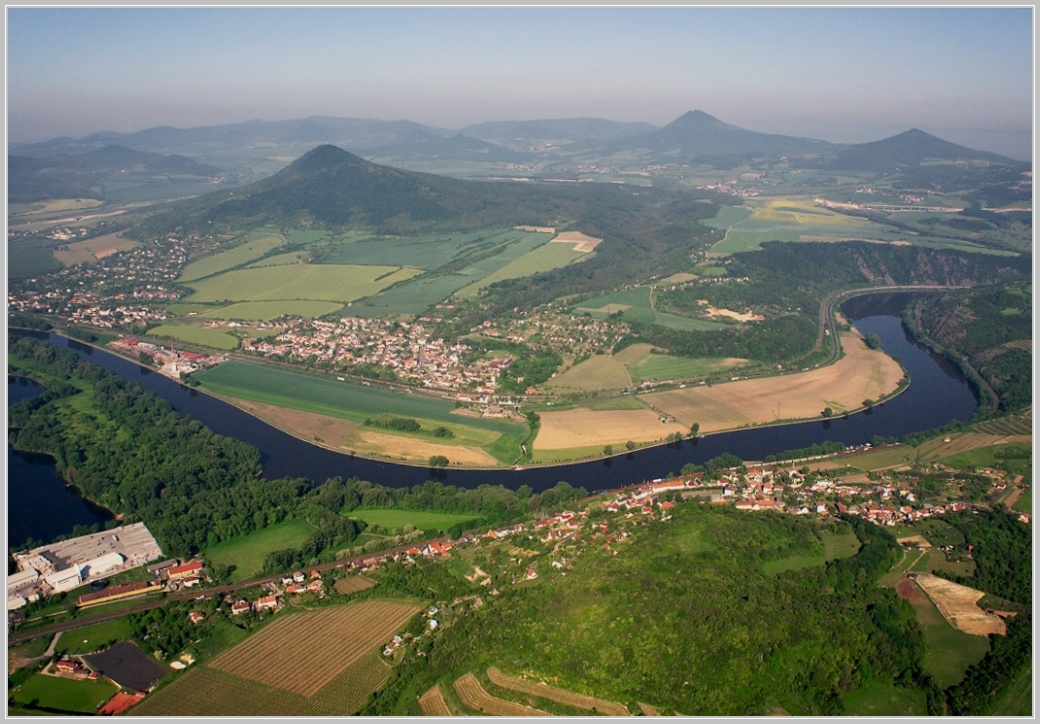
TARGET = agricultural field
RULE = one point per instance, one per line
(311, 282)
(859, 375)
(302, 653)
(792, 219)
(635, 304)
(877, 699)
(266, 311)
(62, 695)
(259, 244)
(90, 250)
(292, 257)
(395, 519)
(553, 693)
(265, 386)
(666, 367)
(353, 584)
(214, 337)
(473, 695)
(432, 703)
(546, 257)
(599, 373)
(582, 428)
(246, 553)
(208, 692)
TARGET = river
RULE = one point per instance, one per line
(937, 394)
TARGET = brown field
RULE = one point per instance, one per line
(939, 448)
(353, 584)
(677, 279)
(581, 241)
(861, 374)
(207, 692)
(959, 605)
(633, 353)
(89, 250)
(561, 696)
(649, 710)
(475, 697)
(583, 428)
(301, 653)
(432, 703)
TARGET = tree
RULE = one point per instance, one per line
(608, 450)
(630, 445)
(828, 412)
(695, 428)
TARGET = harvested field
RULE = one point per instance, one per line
(302, 653)
(432, 703)
(649, 710)
(561, 696)
(334, 432)
(959, 605)
(419, 451)
(353, 584)
(598, 373)
(581, 241)
(80, 252)
(475, 697)
(583, 428)
(861, 374)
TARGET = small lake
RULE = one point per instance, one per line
(937, 395)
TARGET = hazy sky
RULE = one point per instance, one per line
(838, 74)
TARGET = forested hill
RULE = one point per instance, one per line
(330, 188)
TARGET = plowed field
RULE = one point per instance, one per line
(561, 696)
(475, 697)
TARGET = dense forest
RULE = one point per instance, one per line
(988, 331)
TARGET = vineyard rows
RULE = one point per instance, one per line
(561, 696)
(432, 703)
(475, 697)
(353, 584)
(303, 652)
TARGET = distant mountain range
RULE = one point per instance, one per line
(247, 151)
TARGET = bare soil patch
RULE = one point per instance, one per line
(581, 241)
(332, 432)
(583, 427)
(959, 605)
(909, 591)
(917, 539)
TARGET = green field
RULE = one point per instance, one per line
(409, 299)
(197, 334)
(636, 305)
(259, 244)
(947, 652)
(89, 639)
(246, 553)
(877, 699)
(596, 374)
(66, 695)
(319, 282)
(546, 257)
(292, 257)
(431, 252)
(1017, 698)
(393, 519)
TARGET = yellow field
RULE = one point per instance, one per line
(801, 212)
(588, 428)
(860, 375)
(581, 241)
(959, 605)
(597, 373)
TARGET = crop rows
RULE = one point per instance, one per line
(475, 697)
(432, 703)
(302, 653)
(207, 692)
(561, 696)
(353, 584)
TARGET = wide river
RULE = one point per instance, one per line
(937, 394)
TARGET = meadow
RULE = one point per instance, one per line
(666, 367)
(214, 337)
(544, 258)
(93, 638)
(246, 553)
(635, 304)
(395, 519)
(319, 282)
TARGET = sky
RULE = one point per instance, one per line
(840, 74)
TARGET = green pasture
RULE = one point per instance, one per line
(546, 257)
(306, 236)
(430, 251)
(728, 216)
(66, 695)
(947, 652)
(408, 299)
(197, 334)
(1017, 697)
(259, 244)
(319, 282)
(89, 639)
(608, 404)
(634, 305)
(266, 311)
(883, 699)
(247, 552)
(394, 519)
(667, 367)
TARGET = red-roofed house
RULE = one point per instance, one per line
(186, 570)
